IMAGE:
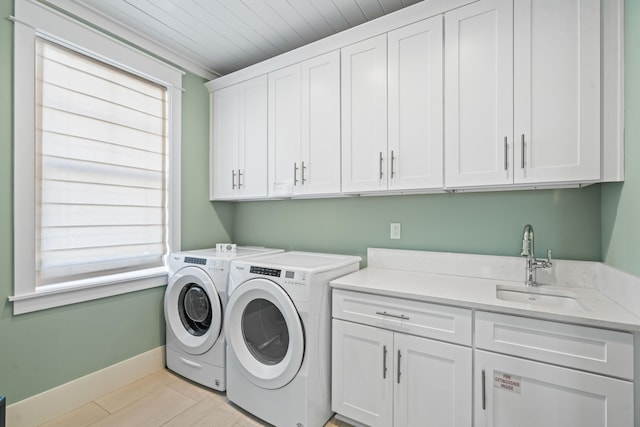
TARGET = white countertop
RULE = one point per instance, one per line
(480, 293)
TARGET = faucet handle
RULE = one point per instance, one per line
(548, 262)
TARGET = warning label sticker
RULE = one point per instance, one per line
(506, 382)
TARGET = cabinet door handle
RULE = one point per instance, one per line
(397, 316)
(399, 357)
(302, 171)
(484, 395)
(295, 173)
(239, 180)
(522, 151)
(506, 152)
(380, 165)
(393, 159)
(233, 179)
(384, 361)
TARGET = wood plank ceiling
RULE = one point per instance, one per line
(223, 36)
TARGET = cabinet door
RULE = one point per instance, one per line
(320, 149)
(432, 383)
(364, 115)
(479, 94)
(225, 137)
(557, 90)
(284, 130)
(415, 105)
(252, 152)
(519, 392)
(362, 373)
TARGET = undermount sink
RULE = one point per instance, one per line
(541, 297)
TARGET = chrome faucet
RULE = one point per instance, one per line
(533, 263)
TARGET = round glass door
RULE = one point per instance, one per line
(193, 310)
(264, 333)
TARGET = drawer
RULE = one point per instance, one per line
(423, 319)
(581, 347)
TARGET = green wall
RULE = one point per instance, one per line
(568, 221)
(621, 202)
(44, 349)
(203, 223)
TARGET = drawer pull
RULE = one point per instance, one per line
(397, 316)
(384, 361)
(484, 395)
(522, 152)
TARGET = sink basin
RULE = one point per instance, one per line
(551, 298)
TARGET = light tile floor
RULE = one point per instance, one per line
(162, 399)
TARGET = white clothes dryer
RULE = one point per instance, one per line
(194, 304)
(278, 329)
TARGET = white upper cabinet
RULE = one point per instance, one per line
(456, 95)
(415, 112)
(547, 128)
(284, 129)
(556, 90)
(224, 147)
(304, 128)
(364, 115)
(479, 94)
(239, 141)
(392, 110)
(320, 164)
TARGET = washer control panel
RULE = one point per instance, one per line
(211, 265)
(195, 260)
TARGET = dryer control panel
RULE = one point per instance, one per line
(289, 279)
(264, 271)
(295, 278)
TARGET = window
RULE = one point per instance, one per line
(96, 163)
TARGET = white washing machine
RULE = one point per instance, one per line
(278, 329)
(194, 304)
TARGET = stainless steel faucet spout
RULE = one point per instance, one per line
(532, 263)
(527, 241)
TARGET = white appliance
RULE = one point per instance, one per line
(194, 304)
(278, 329)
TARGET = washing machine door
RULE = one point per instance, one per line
(264, 333)
(192, 310)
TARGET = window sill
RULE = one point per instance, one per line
(59, 295)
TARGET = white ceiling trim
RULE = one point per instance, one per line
(135, 38)
(217, 37)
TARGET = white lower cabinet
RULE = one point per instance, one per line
(362, 383)
(386, 378)
(555, 389)
(432, 384)
(399, 362)
(517, 392)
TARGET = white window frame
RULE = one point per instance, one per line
(33, 19)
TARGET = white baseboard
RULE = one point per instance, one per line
(67, 397)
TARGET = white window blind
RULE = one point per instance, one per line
(101, 168)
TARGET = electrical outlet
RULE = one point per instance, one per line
(395, 230)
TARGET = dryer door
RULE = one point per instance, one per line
(192, 310)
(264, 333)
